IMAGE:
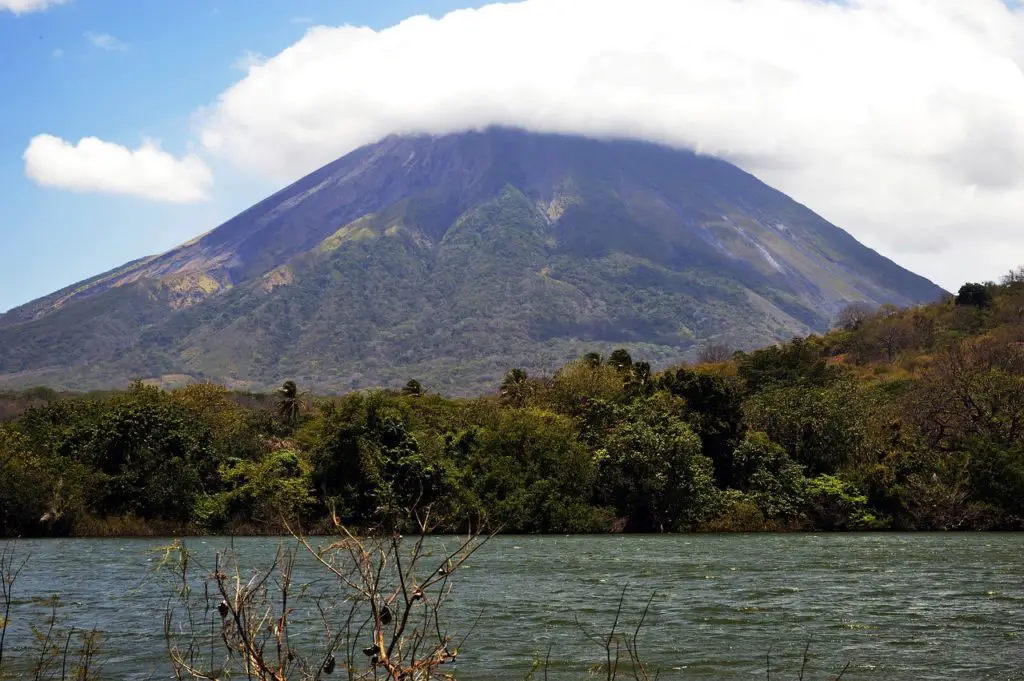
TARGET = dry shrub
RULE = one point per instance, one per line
(378, 612)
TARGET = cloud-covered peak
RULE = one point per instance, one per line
(93, 165)
(901, 121)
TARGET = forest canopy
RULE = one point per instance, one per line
(909, 419)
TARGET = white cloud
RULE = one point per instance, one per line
(93, 165)
(105, 41)
(900, 120)
(25, 6)
(57, 53)
(248, 60)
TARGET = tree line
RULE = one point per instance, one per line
(905, 419)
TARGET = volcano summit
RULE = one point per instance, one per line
(451, 259)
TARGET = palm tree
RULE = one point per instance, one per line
(516, 387)
(289, 402)
(621, 360)
(639, 381)
(413, 388)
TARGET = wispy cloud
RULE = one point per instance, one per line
(248, 60)
(26, 6)
(57, 53)
(105, 41)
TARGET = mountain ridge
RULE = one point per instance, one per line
(563, 233)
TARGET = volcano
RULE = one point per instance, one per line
(452, 259)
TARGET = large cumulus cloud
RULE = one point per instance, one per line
(901, 120)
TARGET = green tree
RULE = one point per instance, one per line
(652, 470)
(798, 362)
(621, 360)
(577, 384)
(834, 504)
(367, 463)
(26, 487)
(268, 492)
(974, 295)
(236, 431)
(531, 474)
(151, 457)
(770, 478)
(640, 382)
(516, 388)
(822, 428)
(289, 403)
(996, 475)
(714, 409)
(413, 388)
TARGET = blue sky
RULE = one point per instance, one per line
(130, 126)
(172, 57)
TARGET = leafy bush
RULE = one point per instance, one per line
(834, 504)
(265, 493)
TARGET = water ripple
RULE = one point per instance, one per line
(894, 606)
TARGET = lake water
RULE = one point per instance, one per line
(896, 606)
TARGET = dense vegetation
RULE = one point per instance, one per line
(903, 419)
(453, 259)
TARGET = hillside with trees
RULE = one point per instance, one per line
(451, 259)
(903, 419)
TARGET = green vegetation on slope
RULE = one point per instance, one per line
(905, 419)
(454, 258)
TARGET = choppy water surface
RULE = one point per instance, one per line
(916, 606)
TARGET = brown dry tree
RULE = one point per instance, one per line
(372, 609)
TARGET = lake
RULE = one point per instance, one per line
(895, 606)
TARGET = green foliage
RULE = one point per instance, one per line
(639, 380)
(530, 473)
(773, 481)
(366, 461)
(620, 360)
(652, 470)
(26, 485)
(833, 504)
(974, 295)
(899, 420)
(714, 409)
(270, 492)
(996, 475)
(289, 403)
(799, 362)
(413, 388)
(152, 456)
(579, 384)
(821, 428)
(516, 388)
